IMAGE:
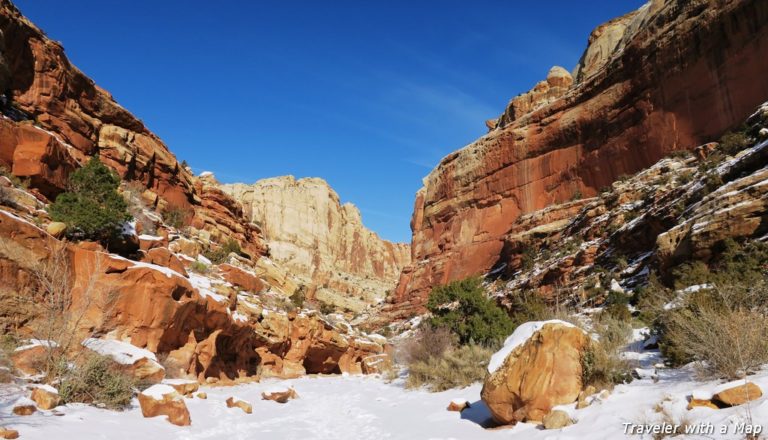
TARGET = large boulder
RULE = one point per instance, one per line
(737, 394)
(538, 368)
(163, 400)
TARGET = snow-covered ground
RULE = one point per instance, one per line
(357, 407)
(366, 407)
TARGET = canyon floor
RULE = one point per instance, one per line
(369, 407)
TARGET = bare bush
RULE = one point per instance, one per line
(455, 368)
(601, 363)
(427, 342)
(726, 341)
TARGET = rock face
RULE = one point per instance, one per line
(537, 375)
(670, 76)
(310, 232)
(58, 118)
(202, 325)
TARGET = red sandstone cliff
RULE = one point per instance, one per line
(62, 117)
(670, 76)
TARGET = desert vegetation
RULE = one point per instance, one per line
(91, 207)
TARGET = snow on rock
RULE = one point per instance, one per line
(519, 337)
(158, 391)
(32, 343)
(202, 259)
(123, 353)
(47, 388)
(146, 237)
(203, 286)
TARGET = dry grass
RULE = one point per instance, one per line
(435, 361)
(428, 342)
(727, 343)
(97, 380)
(456, 368)
(602, 365)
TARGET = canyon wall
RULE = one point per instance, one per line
(322, 242)
(670, 76)
(55, 118)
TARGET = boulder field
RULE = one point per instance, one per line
(670, 76)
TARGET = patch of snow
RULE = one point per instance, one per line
(206, 174)
(237, 316)
(47, 388)
(146, 237)
(517, 338)
(32, 343)
(204, 260)
(122, 352)
(203, 286)
(158, 391)
(138, 264)
(128, 228)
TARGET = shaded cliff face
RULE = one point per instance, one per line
(669, 76)
(321, 241)
(55, 118)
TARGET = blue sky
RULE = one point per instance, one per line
(367, 95)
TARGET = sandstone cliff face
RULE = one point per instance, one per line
(55, 118)
(322, 242)
(669, 76)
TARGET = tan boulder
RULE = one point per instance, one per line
(241, 278)
(458, 405)
(202, 396)
(46, 397)
(163, 400)
(738, 395)
(8, 434)
(182, 386)
(540, 373)
(701, 403)
(234, 402)
(557, 419)
(27, 359)
(56, 229)
(163, 257)
(24, 410)
(279, 395)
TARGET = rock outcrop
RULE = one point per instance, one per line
(204, 326)
(670, 76)
(323, 242)
(543, 371)
(55, 118)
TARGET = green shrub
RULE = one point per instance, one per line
(455, 368)
(199, 267)
(327, 309)
(97, 380)
(464, 308)
(733, 142)
(528, 306)
(299, 296)
(92, 208)
(220, 254)
(680, 154)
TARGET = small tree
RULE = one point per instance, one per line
(92, 207)
(465, 309)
